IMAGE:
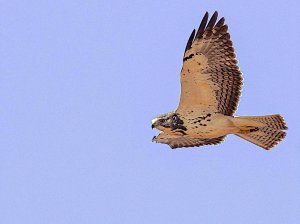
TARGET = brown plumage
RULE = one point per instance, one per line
(269, 136)
(221, 70)
(211, 84)
(183, 142)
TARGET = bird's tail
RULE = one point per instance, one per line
(264, 131)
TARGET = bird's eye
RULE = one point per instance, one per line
(162, 120)
(174, 117)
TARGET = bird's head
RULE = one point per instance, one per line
(168, 121)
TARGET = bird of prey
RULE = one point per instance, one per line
(210, 90)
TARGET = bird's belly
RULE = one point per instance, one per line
(218, 125)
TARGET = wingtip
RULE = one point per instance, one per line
(212, 20)
(206, 15)
(173, 146)
(190, 41)
(193, 33)
(202, 26)
(216, 13)
(220, 23)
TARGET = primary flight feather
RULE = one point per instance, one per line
(211, 84)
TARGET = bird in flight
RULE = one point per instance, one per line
(211, 84)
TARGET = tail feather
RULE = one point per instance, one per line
(269, 135)
(273, 121)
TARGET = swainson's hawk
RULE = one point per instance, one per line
(211, 84)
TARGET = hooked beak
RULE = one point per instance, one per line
(153, 122)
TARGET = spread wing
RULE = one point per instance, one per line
(210, 77)
(180, 141)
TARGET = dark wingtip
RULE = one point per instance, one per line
(212, 20)
(173, 146)
(215, 14)
(190, 41)
(220, 22)
(202, 26)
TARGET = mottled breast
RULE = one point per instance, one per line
(198, 126)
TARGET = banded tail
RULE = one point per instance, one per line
(267, 133)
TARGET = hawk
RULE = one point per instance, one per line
(211, 84)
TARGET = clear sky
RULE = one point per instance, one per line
(80, 82)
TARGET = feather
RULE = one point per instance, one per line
(212, 21)
(190, 41)
(202, 26)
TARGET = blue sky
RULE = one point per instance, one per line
(80, 83)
